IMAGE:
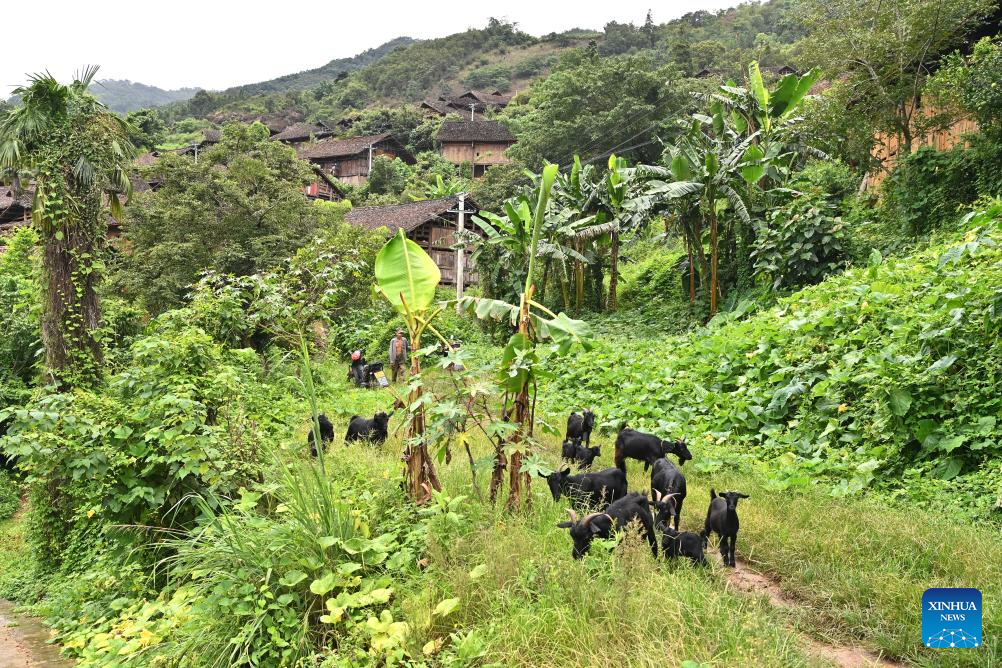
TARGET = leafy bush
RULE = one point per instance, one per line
(884, 374)
(490, 77)
(929, 188)
(20, 305)
(173, 423)
(312, 566)
(239, 210)
(831, 178)
(10, 495)
(800, 243)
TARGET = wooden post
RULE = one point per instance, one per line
(460, 252)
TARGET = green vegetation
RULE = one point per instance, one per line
(832, 353)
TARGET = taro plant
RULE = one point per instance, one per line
(520, 364)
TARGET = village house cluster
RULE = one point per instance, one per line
(473, 141)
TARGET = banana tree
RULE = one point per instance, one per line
(407, 277)
(519, 371)
(706, 177)
(772, 114)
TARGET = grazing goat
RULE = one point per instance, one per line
(326, 433)
(682, 544)
(647, 448)
(668, 487)
(588, 489)
(617, 516)
(722, 518)
(585, 456)
(374, 430)
(579, 427)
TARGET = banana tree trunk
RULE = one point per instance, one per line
(613, 302)
(692, 273)
(579, 279)
(713, 259)
(565, 288)
(420, 467)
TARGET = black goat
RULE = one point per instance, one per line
(668, 487)
(647, 448)
(588, 489)
(579, 427)
(722, 518)
(569, 450)
(362, 429)
(617, 516)
(585, 456)
(682, 544)
(326, 433)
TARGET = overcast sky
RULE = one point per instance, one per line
(215, 44)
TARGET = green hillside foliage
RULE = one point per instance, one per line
(310, 79)
(884, 377)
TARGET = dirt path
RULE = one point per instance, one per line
(751, 581)
(23, 642)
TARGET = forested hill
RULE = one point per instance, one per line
(500, 56)
(123, 96)
(309, 79)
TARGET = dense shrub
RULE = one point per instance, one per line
(239, 210)
(929, 188)
(800, 243)
(20, 304)
(490, 77)
(175, 422)
(10, 495)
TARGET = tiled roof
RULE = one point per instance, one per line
(464, 131)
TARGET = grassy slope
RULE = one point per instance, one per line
(857, 569)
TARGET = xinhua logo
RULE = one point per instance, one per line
(951, 618)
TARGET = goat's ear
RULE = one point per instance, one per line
(743, 496)
(566, 471)
(565, 525)
(594, 529)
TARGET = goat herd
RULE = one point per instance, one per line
(607, 489)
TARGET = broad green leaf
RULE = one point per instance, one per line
(446, 607)
(404, 269)
(753, 170)
(478, 572)
(323, 584)
(900, 400)
(292, 578)
(680, 168)
(942, 363)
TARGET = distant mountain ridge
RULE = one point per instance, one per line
(123, 96)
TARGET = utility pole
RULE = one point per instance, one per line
(195, 146)
(460, 252)
(473, 106)
(370, 162)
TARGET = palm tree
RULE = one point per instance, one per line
(75, 153)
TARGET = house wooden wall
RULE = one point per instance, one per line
(353, 169)
(476, 153)
(888, 147)
(437, 238)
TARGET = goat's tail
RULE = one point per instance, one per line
(713, 494)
